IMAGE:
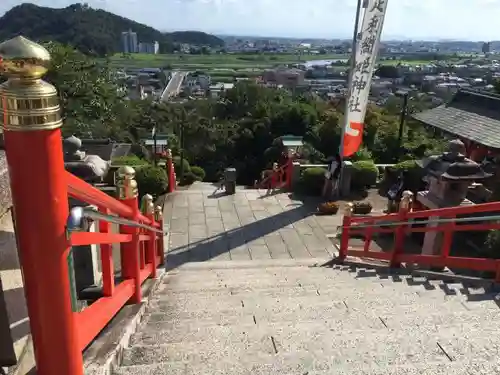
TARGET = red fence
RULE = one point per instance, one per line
(442, 220)
(141, 250)
(40, 189)
(278, 178)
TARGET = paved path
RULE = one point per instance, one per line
(247, 225)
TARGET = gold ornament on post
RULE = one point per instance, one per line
(406, 199)
(147, 206)
(348, 209)
(28, 103)
(158, 213)
(126, 185)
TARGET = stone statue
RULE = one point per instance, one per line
(90, 168)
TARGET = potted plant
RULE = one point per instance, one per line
(362, 208)
(328, 208)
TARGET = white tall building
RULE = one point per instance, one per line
(129, 42)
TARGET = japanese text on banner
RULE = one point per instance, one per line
(359, 87)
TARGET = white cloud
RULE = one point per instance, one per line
(457, 19)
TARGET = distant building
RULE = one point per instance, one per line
(284, 76)
(486, 47)
(129, 42)
(152, 48)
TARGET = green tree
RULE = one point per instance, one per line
(91, 100)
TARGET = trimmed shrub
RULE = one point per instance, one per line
(177, 165)
(312, 180)
(151, 180)
(130, 160)
(199, 172)
(413, 179)
(364, 174)
(362, 154)
(188, 179)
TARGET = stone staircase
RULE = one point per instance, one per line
(288, 317)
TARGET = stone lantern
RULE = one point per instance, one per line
(449, 176)
(293, 144)
(91, 168)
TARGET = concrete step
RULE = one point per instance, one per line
(357, 302)
(368, 348)
(281, 366)
(461, 321)
(335, 290)
(356, 342)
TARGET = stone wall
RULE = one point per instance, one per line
(11, 283)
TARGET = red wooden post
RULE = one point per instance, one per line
(130, 261)
(400, 232)
(171, 172)
(289, 173)
(160, 245)
(34, 152)
(148, 209)
(108, 272)
(346, 225)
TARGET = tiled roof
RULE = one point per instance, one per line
(470, 114)
(105, 148)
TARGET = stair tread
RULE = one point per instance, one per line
(280, 368)
(341, 318)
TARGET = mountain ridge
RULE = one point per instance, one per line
(92, 31)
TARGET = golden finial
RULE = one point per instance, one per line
(348, 210)
(158, 213)
(168, 153)
(147, 206)
(406, 199)
(126, 185)
(29, 103)
(23, 58)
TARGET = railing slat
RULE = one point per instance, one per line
(83, 191)
(96, 238)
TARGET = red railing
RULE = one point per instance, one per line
(40, 190)
(141, 251)
(400, 224)
(278, 178)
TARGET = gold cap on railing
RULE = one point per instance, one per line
(147, 206)
(126, 185)
(348, 209)
(28, 103)
(158, 213)
(406, 199)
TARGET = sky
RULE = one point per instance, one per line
(475, 20)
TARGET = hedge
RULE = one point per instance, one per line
(312, 180)
(151, 180)
(177, 166)
(364, 174)
(199, 172)
(413, 179)
(130, 160)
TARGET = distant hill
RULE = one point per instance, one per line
(92, 31)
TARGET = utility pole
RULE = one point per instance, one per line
(155, 156)
(402, 119)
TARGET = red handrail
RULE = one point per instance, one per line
(279, 178)
(138, 261)
(398, 223)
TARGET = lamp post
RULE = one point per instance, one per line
(402, 119)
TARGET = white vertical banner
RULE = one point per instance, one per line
(366, 50)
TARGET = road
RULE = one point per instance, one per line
(174, 86)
